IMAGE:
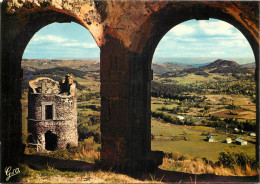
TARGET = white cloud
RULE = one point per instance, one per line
(61, 41)
(233, 43)
(216, 28)
(48, 38)
(77, 44)
(217, 53)
(187, 39)
(182, 29)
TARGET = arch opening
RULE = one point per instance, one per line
(56, 51)
(51, 140)
(187, 93)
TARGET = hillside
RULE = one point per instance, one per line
(221, 63)
(56, 73)
(218, 66)
(82, 65)
(249, 65)
(161, 68)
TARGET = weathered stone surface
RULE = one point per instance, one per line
(127, 33)
(132, 20)
(62, 120)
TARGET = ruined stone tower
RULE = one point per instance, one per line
(52, 113)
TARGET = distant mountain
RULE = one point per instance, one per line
(218, 66)
(249, 65)
(161, 68)
(225, 66)
(221, 63)
(199, 61)
(82, 65)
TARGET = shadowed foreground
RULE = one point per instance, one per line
(86, 172)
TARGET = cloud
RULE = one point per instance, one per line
(216, 28)
(77, 44)
(182, 29)
(60, 42)
(233, 43)
(217, 53)
(48, 38)
(186, 39)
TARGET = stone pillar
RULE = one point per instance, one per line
(11, 117)
(115, 117)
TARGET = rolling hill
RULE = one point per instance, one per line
(161, 68)
(218, 66)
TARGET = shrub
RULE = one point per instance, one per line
(82, 131)
(230, 159)
(233, 113)
(231, 106)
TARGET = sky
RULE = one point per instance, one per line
(205, 38)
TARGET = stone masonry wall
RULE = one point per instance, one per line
(64, 112)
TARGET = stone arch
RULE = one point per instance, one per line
(127, 33)
(170, 15)
(51, 140)
(21, 22)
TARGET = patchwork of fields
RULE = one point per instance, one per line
(206, 102)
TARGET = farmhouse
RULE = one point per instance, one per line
(236, 130)
(210, 138)
(180, 117)
(241, 141)
(252, 134)
(228, 140)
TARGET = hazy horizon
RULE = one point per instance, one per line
(176, 60)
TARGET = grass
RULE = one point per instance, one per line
(55, 176)
(197, 79)
(199, 166)
(196, 146)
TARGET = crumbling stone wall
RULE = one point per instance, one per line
(63, 121)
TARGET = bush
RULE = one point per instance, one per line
(231, 106)
(230, 159)
(83, 129)
(233, 113)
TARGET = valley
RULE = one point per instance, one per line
(188, 104)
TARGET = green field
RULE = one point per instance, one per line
(196, 146)
(213, 95)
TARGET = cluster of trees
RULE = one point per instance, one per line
(169, 119)
(173, 91)
(231, 159)
(244, 87)
(233, 70)
(230, 124)
(231, 106)
(88, 96)
(92, 107)
(175, 110)
(84, 130)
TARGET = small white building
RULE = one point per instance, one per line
(210, 138)
(180, 117)
(236, 130)
(228, 140)
(253, 134)
(241, 141)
